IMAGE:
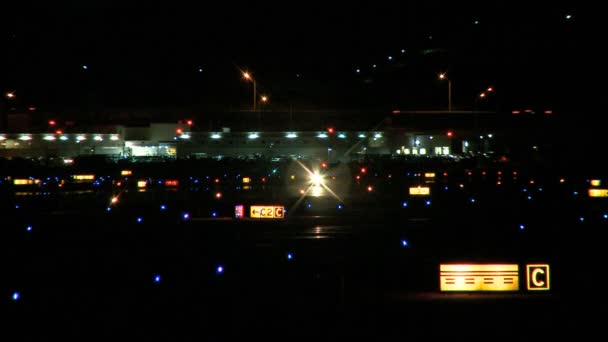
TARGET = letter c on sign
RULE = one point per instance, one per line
(535, 280)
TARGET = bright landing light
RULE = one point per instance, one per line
(316, 179)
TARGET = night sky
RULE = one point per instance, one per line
(99, 55)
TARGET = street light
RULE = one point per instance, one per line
(264, 100)
(476, 104)
(443, 76)
(10, 95)
(248, 77)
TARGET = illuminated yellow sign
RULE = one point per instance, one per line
(596, 182)
(267, 211)
(479, 277)
(246, 180)
(84, 177)
(420, 190)
(26, 181)
(429, 175)
(537, 277)
(142, 184)
(598, 192)
(126, 172)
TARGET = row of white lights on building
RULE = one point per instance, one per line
(291, 135)
(63, 137)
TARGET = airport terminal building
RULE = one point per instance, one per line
(408, 134)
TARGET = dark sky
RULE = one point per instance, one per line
(302, 54)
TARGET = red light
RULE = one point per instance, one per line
(363, 170)
(548, 112)
(324, 165)
(358, 177)
(179, 131)
(450, 134)
(515, 112)
(218, 195)
(370, 188)
(171, 182)
(217, 180)
(396, 111)
(31, 109)
(189, 122)
(58, 131)
(52, 122)
(330, 130)
(528, 110)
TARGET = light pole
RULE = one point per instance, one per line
(442, 76)
(264, 100)
(476, 104)
(248, 77)
(9, 96)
